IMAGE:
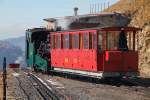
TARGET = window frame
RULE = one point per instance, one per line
(62, 44)
(53, 41)
(64, 41)
(84, 45)
(108, 39)
(102, 41)
(80, 40)
(70, 40)
(93, 42)
(58, 39)
(73, 40)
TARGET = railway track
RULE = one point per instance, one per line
(33, 88)
(44, 90)
(24, 91)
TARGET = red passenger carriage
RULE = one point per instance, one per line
(103, 52)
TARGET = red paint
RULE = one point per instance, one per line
(122, 61)
(74, 59)
(107, 56)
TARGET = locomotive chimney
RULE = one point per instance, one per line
(76, 11)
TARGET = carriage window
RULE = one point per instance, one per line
(81, 41)
(70, 41)
(66, 41)
(53, 41)
(86, 40)
(62, 44)
(58, 41)
(100, 43)
(94, 40)
(76, 41)
(123, 41)
(112, 40)
(90, 41)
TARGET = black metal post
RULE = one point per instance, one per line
(4, 79)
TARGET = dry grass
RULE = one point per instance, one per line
(10, 90)
(10, 82)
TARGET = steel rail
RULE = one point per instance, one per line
(45, 92)
(27, 96)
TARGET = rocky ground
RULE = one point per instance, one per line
(80, 90)
(73, 89)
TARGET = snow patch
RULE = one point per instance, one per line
(42, 82)
(58, 85)
(15, 74)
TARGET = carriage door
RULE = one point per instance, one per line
(113, 56)
(100, 50)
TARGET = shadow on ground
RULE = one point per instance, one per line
(136, 81)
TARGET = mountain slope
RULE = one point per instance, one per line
(10, 52)
(18, 42)
(139, 12)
